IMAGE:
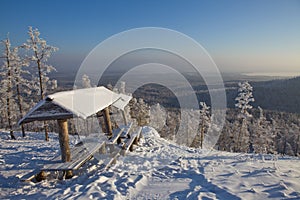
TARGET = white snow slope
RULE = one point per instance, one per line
(157, 169)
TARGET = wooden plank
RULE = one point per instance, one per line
(113, 159)
(128, 145)
(90, 154)
(116, 137)
(30, 176)
(139, 134)
(80, 156)
(133, 140)
(110, 157)
(127, 130)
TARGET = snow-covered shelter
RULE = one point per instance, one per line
(75, 103)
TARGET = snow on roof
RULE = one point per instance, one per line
(81, 102)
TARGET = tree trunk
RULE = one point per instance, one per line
(239, 143)
(202, 137)
(46, 131)
(20, 106)
(40, 77)
(42, 95)
(11, 132)
(8, 91)
(297, 145)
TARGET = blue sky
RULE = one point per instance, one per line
(243, 36)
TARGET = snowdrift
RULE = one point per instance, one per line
(157, 169)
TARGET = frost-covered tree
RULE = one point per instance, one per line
(263, 137)
(122, 88)
(158, 117)
(6, 82)
(40, 53)
(244, 98)
(172, 124)
(20, 83)
(85, 81)
(203, 125)
(188, 133)
(89, 123)
(140, 111)
(204, 121)
(228, 138)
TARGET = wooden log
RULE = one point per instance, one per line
(64, 144)
(108, 121)
(64, 140)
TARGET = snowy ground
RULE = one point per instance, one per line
(157, 169)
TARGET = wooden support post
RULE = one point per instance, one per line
(64, 140)
(124, 117)
(64, 143)
(108, 122)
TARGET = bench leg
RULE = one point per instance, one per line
(68, 174)
(102, 150)
(41, 176)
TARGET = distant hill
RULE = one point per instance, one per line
(279, 95)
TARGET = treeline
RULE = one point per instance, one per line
(278, 95)
(24, 76)
(246, 129)
(272, 132)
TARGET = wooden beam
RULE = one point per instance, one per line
(108, 121)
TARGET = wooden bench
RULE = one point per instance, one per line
(134, 139)
(128, 145)
(84, 151)
(80, 154)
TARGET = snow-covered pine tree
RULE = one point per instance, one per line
(91, 124)
(122, 88)
(172, 124)
(140, 111)
(2, 110)
(263, 138)
(244, 99)
(204, 121)
(6, 82)
(158, 117)
(228, 138)
(126, 113)
(203, 125)
(40, 53)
